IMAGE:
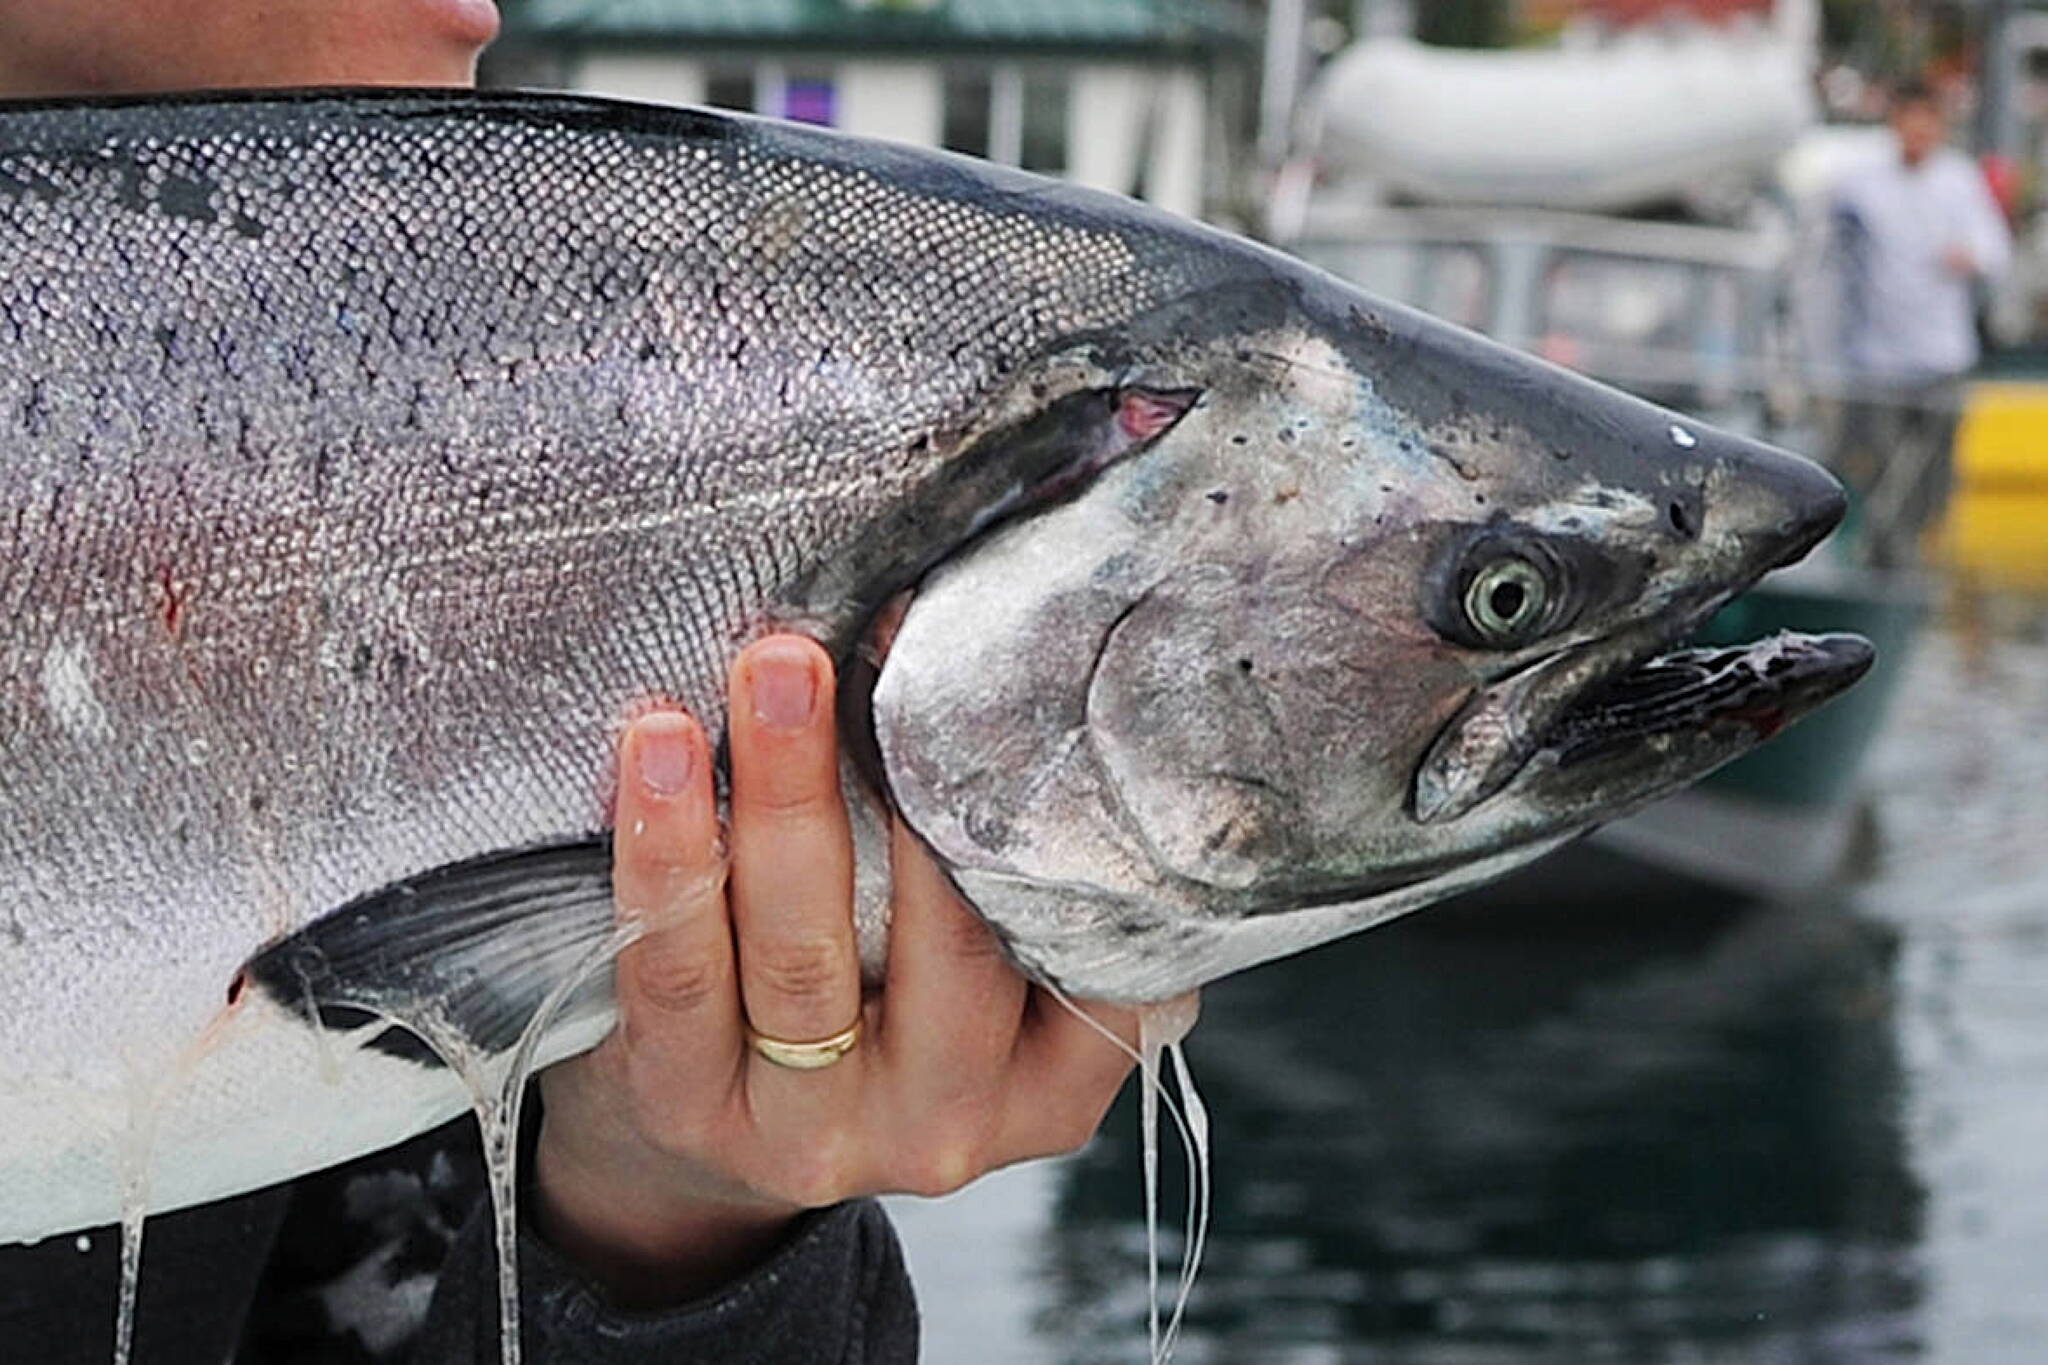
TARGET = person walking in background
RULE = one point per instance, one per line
(1916, 234)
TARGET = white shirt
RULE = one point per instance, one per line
(1905, 314)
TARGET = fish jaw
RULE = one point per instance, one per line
(1096, 944)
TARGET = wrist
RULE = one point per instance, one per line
(642, 1231)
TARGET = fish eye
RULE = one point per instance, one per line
(1506, 600)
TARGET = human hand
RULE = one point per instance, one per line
(673, 1156)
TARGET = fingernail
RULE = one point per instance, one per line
(785, 689)
(666, 758)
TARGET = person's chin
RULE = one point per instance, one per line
(471, 21)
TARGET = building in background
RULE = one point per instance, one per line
(1548, 13)
(1144, 97)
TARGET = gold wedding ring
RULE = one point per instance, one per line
(806, 1056)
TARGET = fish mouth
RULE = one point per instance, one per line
(1599, 700)
(1764, 685)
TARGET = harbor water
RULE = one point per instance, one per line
(1591, 1115)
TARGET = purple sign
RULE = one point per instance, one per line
(808, 101)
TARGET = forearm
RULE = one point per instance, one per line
(1989, 239)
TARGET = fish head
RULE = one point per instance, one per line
(1385, 610)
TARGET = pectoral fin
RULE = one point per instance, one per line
(480, 944)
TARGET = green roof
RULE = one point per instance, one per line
(1131, 26)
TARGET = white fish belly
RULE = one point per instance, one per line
(266, 1099)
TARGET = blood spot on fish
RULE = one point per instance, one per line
(1766, 721)
(170, 599)
(236, 987)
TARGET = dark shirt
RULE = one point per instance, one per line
(388, 1261)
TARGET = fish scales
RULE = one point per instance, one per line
(366, 460)
(472, 469)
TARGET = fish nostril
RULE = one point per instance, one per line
(1684, 516)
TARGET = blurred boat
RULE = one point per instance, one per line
(1791, 816)
(1697, 115)
(1696, 318)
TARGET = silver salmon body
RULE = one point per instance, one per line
(367, 459)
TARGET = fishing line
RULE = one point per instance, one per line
(497, 1093)
(1192, 1128)
(1199, 1172)
(501, 1144)
(132, 1162)
(133, 1154)
(445, 1041)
